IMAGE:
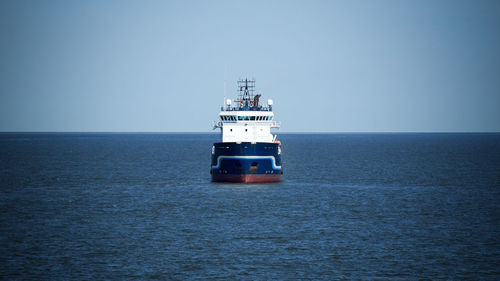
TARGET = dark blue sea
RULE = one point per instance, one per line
(351, 206)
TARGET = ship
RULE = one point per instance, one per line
(248, 152)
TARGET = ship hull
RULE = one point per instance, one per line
(245, 178)
(246, 162)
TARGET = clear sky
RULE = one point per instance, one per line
(330, 66)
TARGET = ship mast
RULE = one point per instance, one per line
(246, 97)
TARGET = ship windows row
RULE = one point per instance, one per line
(241, 118)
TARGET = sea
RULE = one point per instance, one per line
(112, 206)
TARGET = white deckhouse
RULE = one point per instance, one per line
(245, 119)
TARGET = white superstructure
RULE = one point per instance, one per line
(245, 119)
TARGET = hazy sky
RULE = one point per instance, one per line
(330, 66)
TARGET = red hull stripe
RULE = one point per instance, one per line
(245, 178)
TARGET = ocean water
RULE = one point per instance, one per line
(350, 206)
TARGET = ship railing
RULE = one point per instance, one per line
(250, 108)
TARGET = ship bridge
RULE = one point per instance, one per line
(246, 119)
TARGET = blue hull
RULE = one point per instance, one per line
(246, 162)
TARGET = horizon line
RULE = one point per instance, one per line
(205, 132)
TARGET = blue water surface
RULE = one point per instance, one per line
(350, 206)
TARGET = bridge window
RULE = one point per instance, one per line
(241, 118)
